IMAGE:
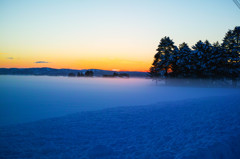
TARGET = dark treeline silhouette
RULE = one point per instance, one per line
(115, 74)
(81, 74)
(89, 73)
(203, 61)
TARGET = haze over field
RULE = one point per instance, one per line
(30, 98)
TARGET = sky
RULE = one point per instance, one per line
(105, 34)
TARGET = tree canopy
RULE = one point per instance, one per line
(203, 60)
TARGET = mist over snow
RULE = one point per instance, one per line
(106, 118)
(30, 98)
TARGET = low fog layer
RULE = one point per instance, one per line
(30, 98)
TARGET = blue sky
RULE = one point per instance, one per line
(76, 34)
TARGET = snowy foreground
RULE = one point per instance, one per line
(193, 128)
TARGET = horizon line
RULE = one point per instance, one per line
(68, 69)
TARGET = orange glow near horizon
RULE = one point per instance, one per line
(108, 35)
(101, 63)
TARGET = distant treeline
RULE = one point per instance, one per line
(203, 60)
(81, 74)
(91, 74)
(115, 74)
(45, 71)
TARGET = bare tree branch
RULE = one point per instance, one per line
(237, 3)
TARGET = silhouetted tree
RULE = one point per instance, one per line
(204, 60)
(162, 60)
(89, 73)
(175, 67)
(80, 74)
(115, 74)
(185, 61)
(231, 44)
(217, 62)
(202, 52)
(71, 75)
(153, 72)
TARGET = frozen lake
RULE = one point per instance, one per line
(31, 98)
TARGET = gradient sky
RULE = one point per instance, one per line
(105, 34)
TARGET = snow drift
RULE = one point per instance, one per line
(193, 128)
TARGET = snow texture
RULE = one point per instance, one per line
(192, 128)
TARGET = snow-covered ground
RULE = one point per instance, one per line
(116, 119)
(195, 128)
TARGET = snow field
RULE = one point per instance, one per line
(193, 128)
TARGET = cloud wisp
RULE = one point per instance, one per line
(41, 62)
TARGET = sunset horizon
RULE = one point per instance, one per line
(139, 66)
(60, 68)
(104, 35)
